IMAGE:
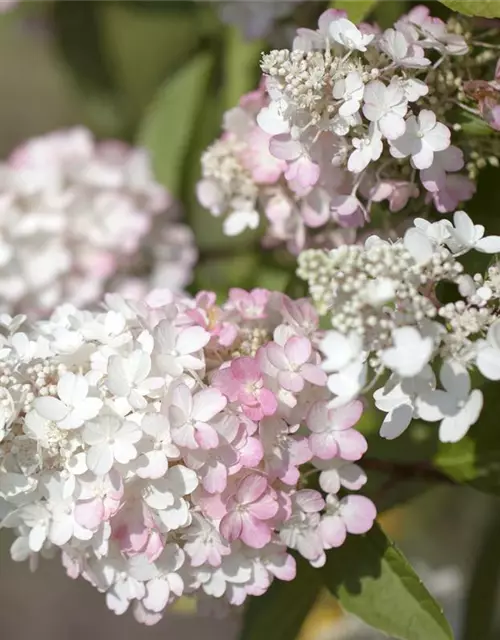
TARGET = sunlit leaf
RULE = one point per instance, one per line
(484, 8)
(373, 580)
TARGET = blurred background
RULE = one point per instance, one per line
(107, 65)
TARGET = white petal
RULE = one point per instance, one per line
(51, 408)
(396, 421)
(490, 244)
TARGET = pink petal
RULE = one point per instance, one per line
(324, 445)
(264, 508)
(268, 402)
(291, 381)
(351, 444)
(251, 488)
(313, 374)
(333, 531)
(154, 546)
(317, 418)
(90, 513)
(276, 356)
(298, 350)
(206, 436)
(255, 533)
(215, 478)
(347, 416)
(231, 526)
(245, 369)
(251, 453)
(358, 513)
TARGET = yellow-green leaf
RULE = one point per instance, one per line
(484, 8)
(357, 10)
(167, 129)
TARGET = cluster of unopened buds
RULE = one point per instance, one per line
(391, 333)
(79, 217)
(350, 117)
(176, 447)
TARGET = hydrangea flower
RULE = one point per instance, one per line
(164, 446)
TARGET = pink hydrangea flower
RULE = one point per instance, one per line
(332, 432)
(249, 511)
(292, 362)
(242, 381)
(352, 514)
(250, 304)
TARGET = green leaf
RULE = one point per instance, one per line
(373, 580)
(241, 66)
(484, 8)
(357, 10)
(483, 587)
(168, 126)
(280, 613)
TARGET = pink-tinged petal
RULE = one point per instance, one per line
(89, 514)
(207, 404)
(51, 408)
(251, 453)
(313, 374)
(276, 356)
(264, 508)
(255, 533)
(291, 381)
(309, 500)
(324, 445)
(227, 383)
(283, 147)
(347, 416)
(317, 417)
(358, 513)
(154, 546)
(215, 478)
(206, 436)
(251, 488)
(152, 464)
(231, 526)
(284, 570)
(268, 402)
(192, 339)
(351, 444)
(246, 369)
(333, 531)
(157, 595)
(298, 350)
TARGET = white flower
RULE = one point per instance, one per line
(456, 406)
(398, 399)
(347, 34)
(422, 138)
(404, 53)
(339, 350)
(127, 377)
(338, 473)
(270, 119)
(241, 218)
(366, 150)
(347, 383)
(177, 349)
(165, 495)
(488, 354)
(156, 446)
(387, 106)
(349, 89)
(73, 407)
(110, 439)
(410, 353)
(466, 235)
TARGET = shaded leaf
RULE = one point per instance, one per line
(357, 10)
(484, 8)
(170, 121)
(241, 66)
(373, 580)
(280, 613)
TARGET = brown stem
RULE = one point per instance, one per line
(407, 471)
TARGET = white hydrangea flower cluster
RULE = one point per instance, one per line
(350, 117)
(166, 447)
(75, 218)
(387, 318)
